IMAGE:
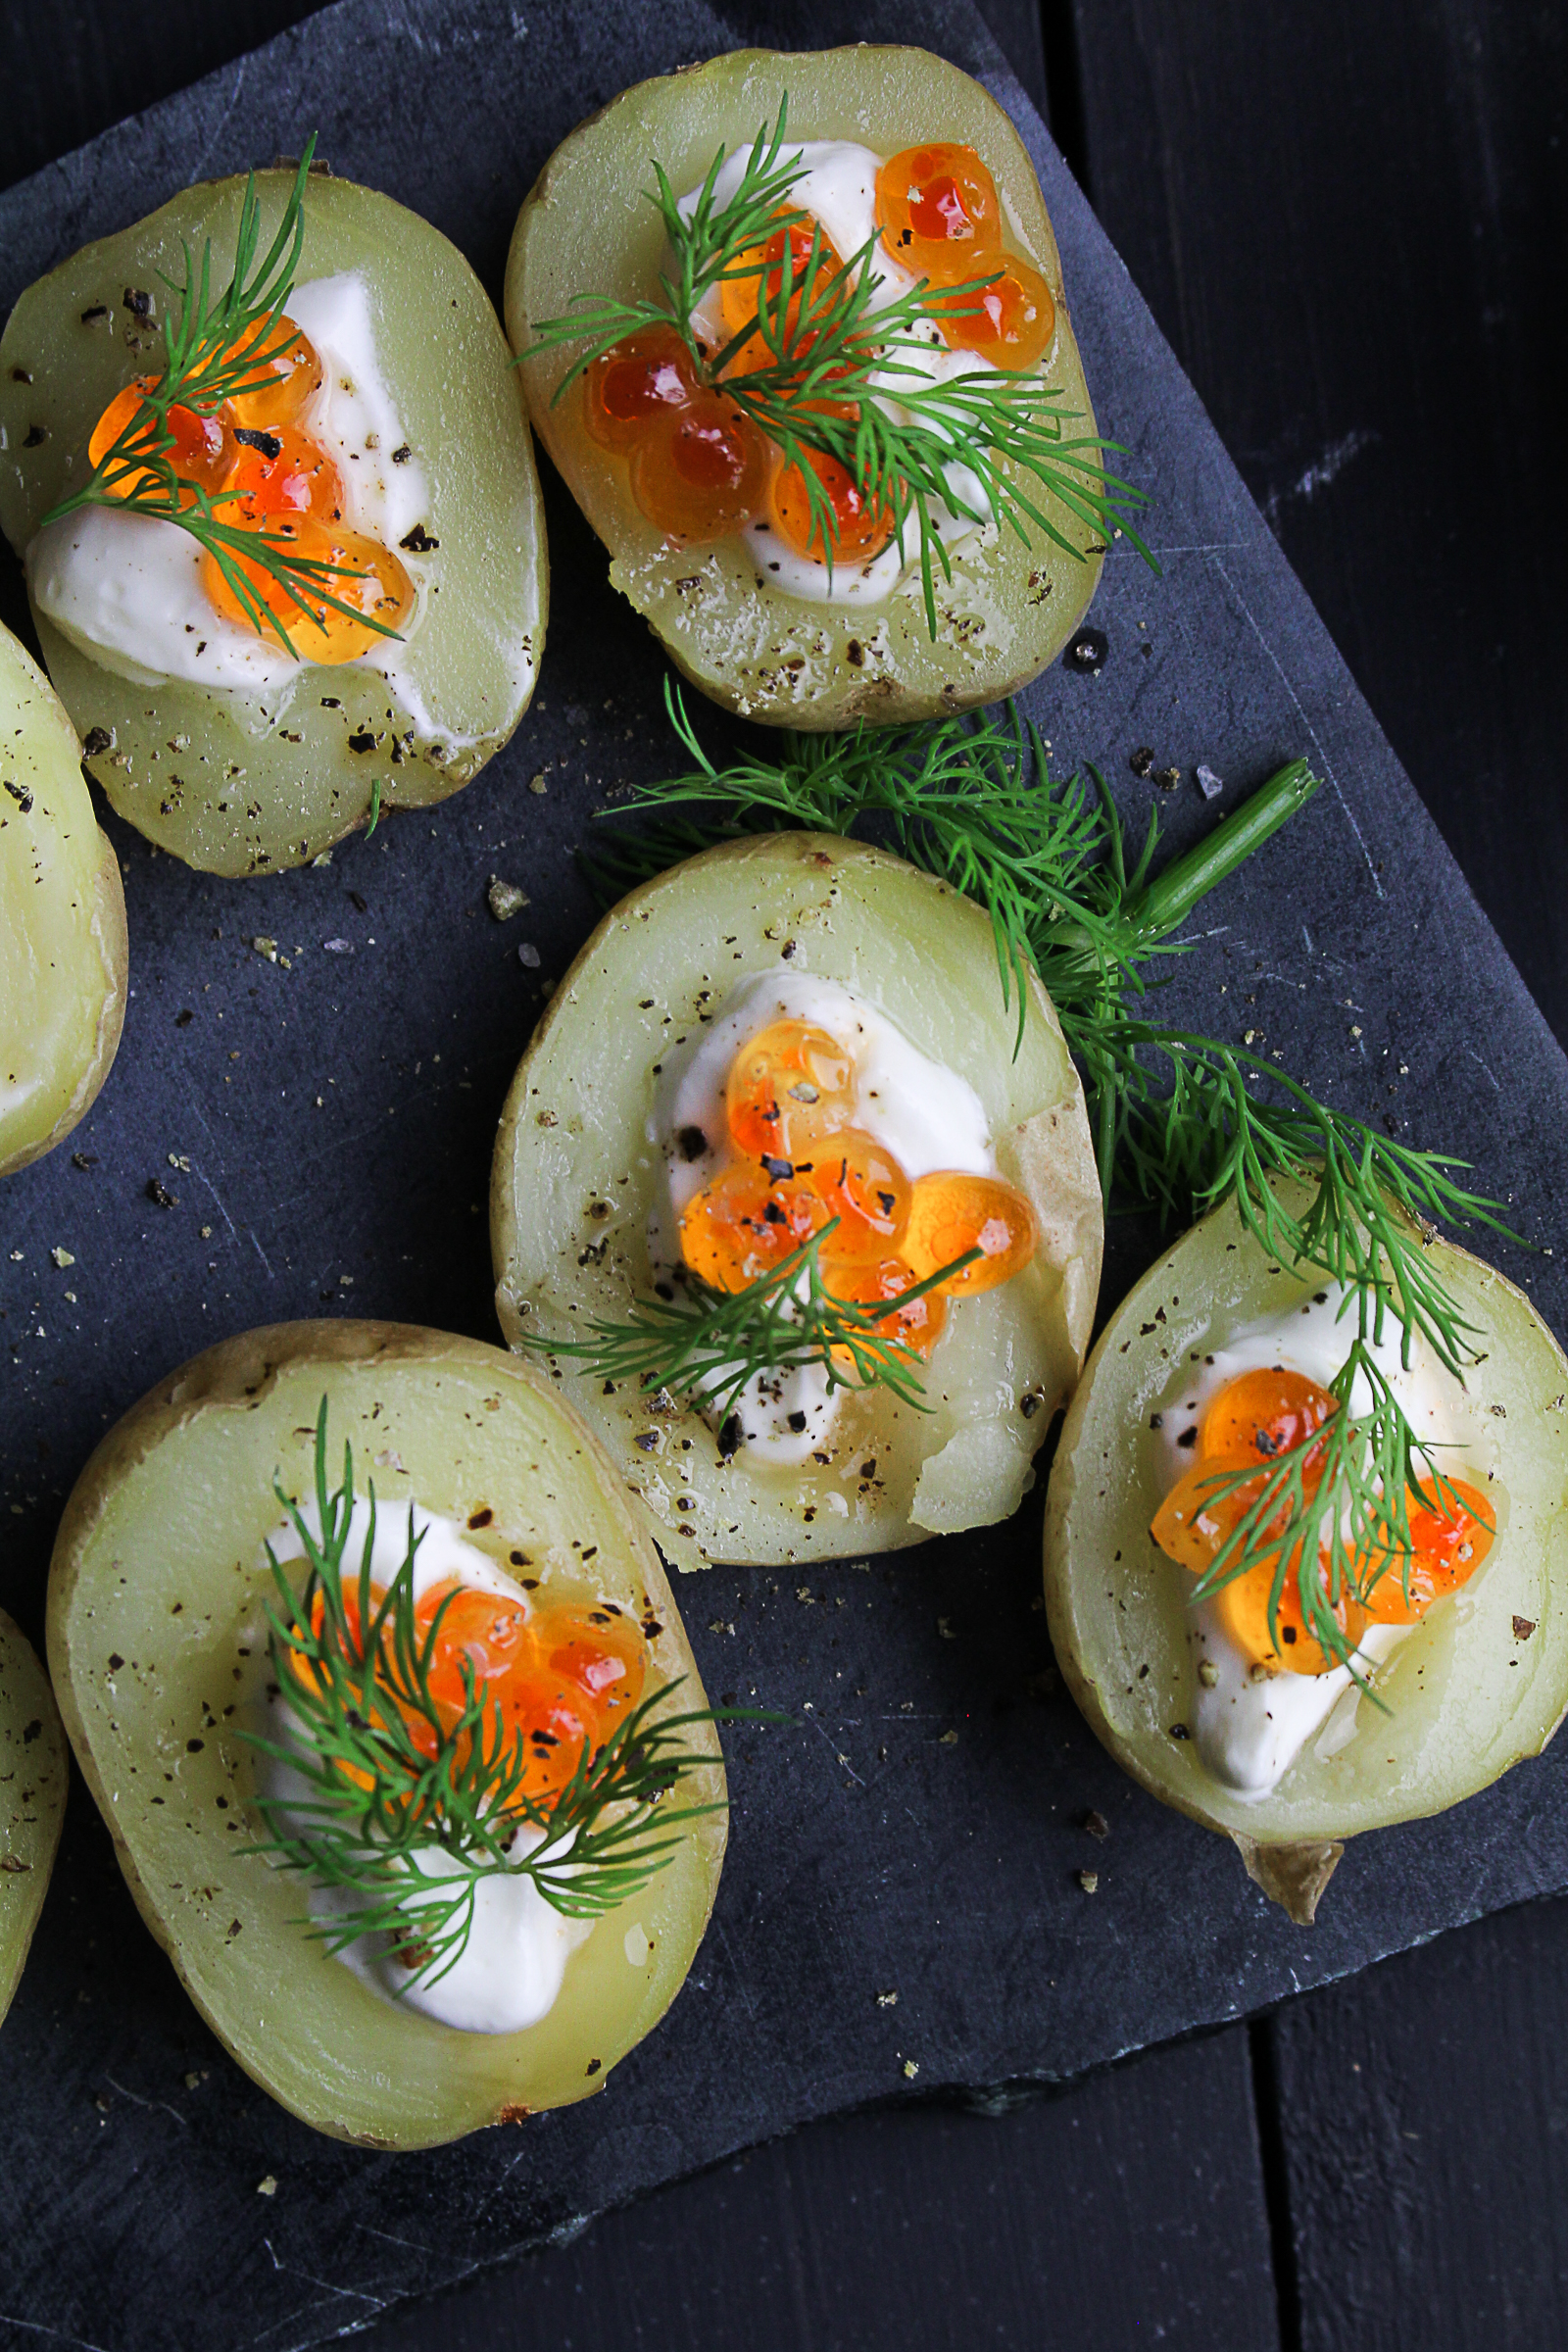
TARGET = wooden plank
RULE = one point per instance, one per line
(1126, 2211)
(1344, 221)
(1426, 2112)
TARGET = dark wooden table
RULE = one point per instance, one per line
(1349, 224)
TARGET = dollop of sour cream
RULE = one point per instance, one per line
(927, 1115)
(1250, 1725)
(127, 590)
(837, 187)
(510, 1971)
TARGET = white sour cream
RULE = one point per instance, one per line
(838, 188)
(927, 1115)
(1251, 1726)
(128, 589)
(510, 1970)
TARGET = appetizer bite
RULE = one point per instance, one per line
(809, 1211)
(35, 1770)
(62, 922)
(1304, 1534)
(815, 384)
(377, 1680)
(269, 476)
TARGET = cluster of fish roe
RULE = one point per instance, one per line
(265, 472)
(1251, 1422)
(562, 1674)
(701, 470)
(797, 1166)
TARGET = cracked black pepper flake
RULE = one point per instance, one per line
(157, 1191)
(35, 436)
(267, 443)
(362, 740)
(1142, 760)
(1095, 1824)
(1088, 651)
(691, 1143)
(418, 541)
(402, 454)
(731, 1438)
(140, 305)
(96, 742)
(1179, 1731)
(83, 1160)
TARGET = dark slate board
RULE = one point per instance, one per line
(324, 1138)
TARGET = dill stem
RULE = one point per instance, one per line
(1165, 903)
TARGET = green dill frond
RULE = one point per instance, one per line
(215, 348)
(708, 1346)
(406, 1812)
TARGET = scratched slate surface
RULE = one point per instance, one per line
(324, 1127)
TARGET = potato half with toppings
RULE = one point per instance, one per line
(34, 1768)
(406, 431)
(62, 922)
(160, 1653)
(801, 657)
(620, 1106)
(1478, 1683)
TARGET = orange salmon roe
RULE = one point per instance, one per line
(203, 446)
(700, 471)
(950, 1213)
(563, 1674)
(372, 581)
(645, 378)
(282, 473)
(742, 298)
(1254, 1418)
(936, 206)
(1010, 321)
(744, 1222)
(861, 525)
(858, 1181)
(284, 373)
(919, 1325)
(788, 1085)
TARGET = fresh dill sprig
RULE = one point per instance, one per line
(710, 1347)
(407, 1813)
(1332, 1511)
(842, 376)
(1182, 1122)
(217, 348)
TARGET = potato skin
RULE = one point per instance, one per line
(1470, 1697)
(584, 229)
(34, 1771)
(572, 1140)
(347, 2062)
(256, 788)
(89, 954)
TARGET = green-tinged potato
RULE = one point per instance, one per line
(247, 781)
(1477, 1684)
(62, 922)
(585, 229)
(575, 1175)
(158, 1650)
(35, 1767)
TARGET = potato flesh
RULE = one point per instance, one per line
(34, 1773)
(1469, 1694)
(62, 922)
(155, 1565)
(206, 774)
(585, 230)
(572, 1138)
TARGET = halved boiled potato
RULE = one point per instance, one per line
(157, 1651)
(586, 229)
(34, 1768)
(575, 1173)
(246, 784)
(1476, 1686)
(62, 922)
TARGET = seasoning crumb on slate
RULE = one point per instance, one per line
(1142, 762)
(529, 955)
(267, 2188)
(62, 1259)
(159, 1192)
(537, 782)
(506, 899)
(945, 1629)
(1088, 651)
(888, 2000)
(1095, 1824)
(338, 947)
(948, 1740)
(1089, 1881)
(83, 1160)
(266, 947)
(911, 2067)
(1208, 784)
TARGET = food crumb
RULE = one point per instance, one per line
(911, 2067)
(61, 1257)
(506, 899)
(888, 2000)
(268, 2186)
(1089, 1881)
